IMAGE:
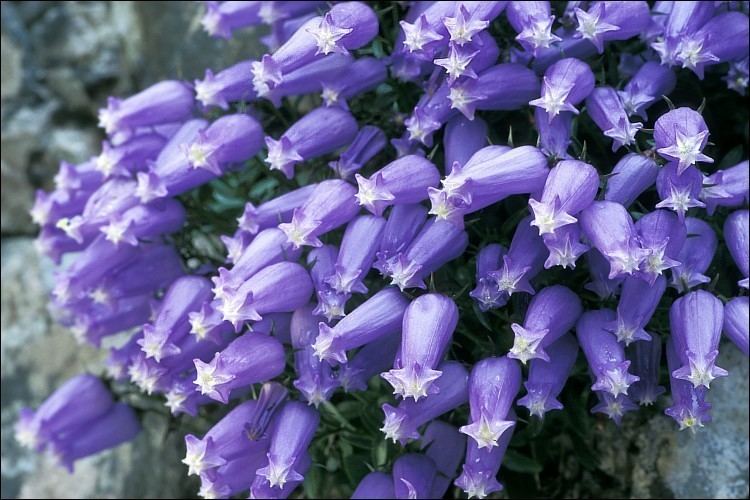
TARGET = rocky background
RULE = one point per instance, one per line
(60, 60)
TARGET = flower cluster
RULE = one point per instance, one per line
(338, 270)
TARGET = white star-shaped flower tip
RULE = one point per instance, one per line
(462, 27)
(457, 63)
(538, 33)
(548, 217)
(680, 200)
(486, 432)
(418, 34)
(687, 149)
(554, 100)
(591, 27)
(328, 36)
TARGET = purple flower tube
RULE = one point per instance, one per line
(229, 140)
(311, 78)
(662, 235)
(649, 84)
(305, 139)
(261, 488)
(646, 361)
(274, 211)
(424, 27)
(605, 356)
(610, 21)
(366, 73)
(607, 111)
(547, 378)
(437, 243)
(401, 422)
(552, 312)
(461, 139)
(489, 176)
(689, 406)
(413, 475)
(564, 247)
(181, 397)
(555, 135)
(524, 260)
(144, 222)
(208, 324)
(427, 329)
(233, 369)
(486, 292)
(292, 433)
(695, 321)
(493, 386)
(600, 282)
(374, 485)
(226, 86)
(570, 187)
(128, 157)
(533, 23)
(610, 229)
(632, 175)
(680, 135)
(403, 181)
(96, 321)
(330, 205)
(259, 295)
(737, 238)
(221, 18)
(372, 359)
(695, 256)
(331, 304)
(356, 254)
(566, 84)
(445, 445)
(315, 379)
(736, 321)
(727, 188)
(378, 317)
(365, 146)
(638, 302)
(403, 224)
(679, 191)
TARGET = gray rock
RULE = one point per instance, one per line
(12, 72)
(17, 198)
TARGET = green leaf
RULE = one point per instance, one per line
(521, 463)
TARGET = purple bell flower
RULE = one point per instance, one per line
(356, 254)
(445, 445)
(689, 406)
(424, 27)
(461, 139)
(570, 187)
(738, 76)
(330, 205)
(727, 188)
(403, 181)
(230, 479)
(365, 146)
(552, 312)
(131, 156)
(233, 369)
(378, 317)
(181, 397)
(428, 327)
(695, 256)
(95, 322)
(401, 422)
(292, 433)
(493, 386)
(259, 295)
(315, 379)
(119, 359)
(680, 135)
(331, 304)
(723, 38)
(646, 361)
(374, 485)
(737, 238)
(403, 224)
(547, 378)
(610, 21)
(632, 175)
(648, 85)
(80, 400)
(662, 235)
(364, 74)
(489, 176)
(605, 356)
(311, 78)
(413, 475)
(638, 302)
(566, 84)
(221, 18)
(261, 488)
(600, 283)
(305, 139)
(164, 102)
(486, 293)
(610, 229)
(369, 361)
(533, 23)
(119, 425)
(679, 191)
(609, 114)
(695, 321)
(524, 260)
(227, 86)
(736, 321)
(144, 222)
(554, 135)
(274, 211)
(613, 407)
(564, 247)
(479, 475)
(161, 337)
(208, 324)
(437, 243)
